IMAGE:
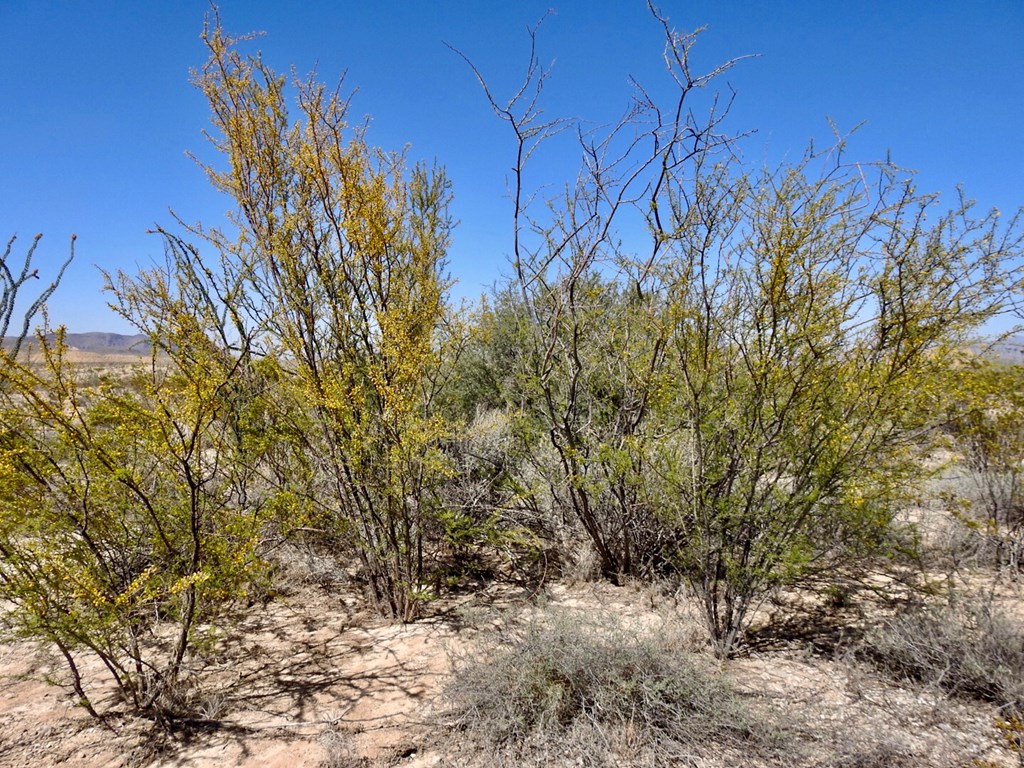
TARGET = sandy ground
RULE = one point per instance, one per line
(307, 680)
(311, 680)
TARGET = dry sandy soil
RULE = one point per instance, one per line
(311, 680)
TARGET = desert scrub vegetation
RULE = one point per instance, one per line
(985, 488)
(337, 273)
(965, 646)
(565, 688)
(741, 398)
(736, 398)
(128, 520)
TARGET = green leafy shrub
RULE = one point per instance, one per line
(743, 399)
(129, 521)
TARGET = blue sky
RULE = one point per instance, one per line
(97, 111)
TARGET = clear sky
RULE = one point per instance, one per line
(97, 113)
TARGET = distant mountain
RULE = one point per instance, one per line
(1009, 350)
(137, 344)
(103, 343)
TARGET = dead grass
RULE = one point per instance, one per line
(599, 675)
(566, 687)
(964, 645)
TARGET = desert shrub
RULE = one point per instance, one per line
(973, 544)
(741, 400)
(338, 751)
(986, 487)
(878, 753)
(593, 691)
(131, 516)
(987, 427)
(478, 499)
(339, 272)
(964, 646)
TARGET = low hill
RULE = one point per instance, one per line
(1008, 350)
(103, 343)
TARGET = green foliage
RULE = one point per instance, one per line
(742, 398)
(807, 372)
(487, 369)
(337, 271)
(127, 523)
(987, 425)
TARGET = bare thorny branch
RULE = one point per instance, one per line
(11, 283)
(638, 164)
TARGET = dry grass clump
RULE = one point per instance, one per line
(878, 753)
(572, 689)
(339, 751)
(980, 519)
(965, 646)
